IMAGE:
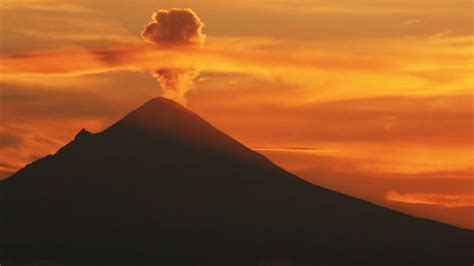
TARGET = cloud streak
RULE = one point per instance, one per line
(76, 62)
(314, 67)
(441, 200)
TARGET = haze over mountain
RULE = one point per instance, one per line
(163, 185)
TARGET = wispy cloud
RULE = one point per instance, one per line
(441, 200)
(295, 149)
(360, 7)
(313, 67)
(411, 22)
(44, 5)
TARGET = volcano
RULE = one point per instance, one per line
(163, 186)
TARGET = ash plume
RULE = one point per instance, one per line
(172, 28)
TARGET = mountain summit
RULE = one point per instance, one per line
(164, 186)
(167, 120)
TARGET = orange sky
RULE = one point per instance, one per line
(370, 98)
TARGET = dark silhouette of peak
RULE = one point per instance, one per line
(83, 134)
(164, 186)
(161, 113)
(164, 119)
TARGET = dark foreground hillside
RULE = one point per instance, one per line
(162, 186)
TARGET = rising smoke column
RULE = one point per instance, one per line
(171, 28)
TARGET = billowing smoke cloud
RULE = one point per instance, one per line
(175, 81)
(175, 28)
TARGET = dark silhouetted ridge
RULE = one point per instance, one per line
(165, 119)
(83, 134)
(163, 186)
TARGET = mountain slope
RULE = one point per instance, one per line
(162, 184)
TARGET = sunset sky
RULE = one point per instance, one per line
(367, 97)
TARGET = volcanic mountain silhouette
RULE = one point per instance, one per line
(163, 185)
